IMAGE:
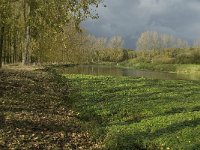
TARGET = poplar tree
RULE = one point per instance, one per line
(26, 26)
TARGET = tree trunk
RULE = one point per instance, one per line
(15, 46)
(1, 45)
(25, 52)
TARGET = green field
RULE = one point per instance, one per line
(138, 113)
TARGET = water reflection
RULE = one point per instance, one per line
(114, 71)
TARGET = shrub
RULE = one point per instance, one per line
(163, 60)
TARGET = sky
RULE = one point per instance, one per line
(129, 18)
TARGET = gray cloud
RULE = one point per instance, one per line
(128, 18)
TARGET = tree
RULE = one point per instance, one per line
(180, 43)
(5, 14)
(166, 41)
(196, 43)
(115, 49)
(142, 43)
(1, 44)
(26, 26)
(25, 52)
(157, 41)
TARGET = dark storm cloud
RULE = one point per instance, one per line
(128, 18)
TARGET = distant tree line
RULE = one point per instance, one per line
(103, 49)
(157, 41)
(151, 47)
(154, 47)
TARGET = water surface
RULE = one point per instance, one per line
(115, 71)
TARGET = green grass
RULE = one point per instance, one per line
(188, 68)
(138, 113)
(179, 68)
(150, 66)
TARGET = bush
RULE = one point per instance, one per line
(163, 60)
(189, 58)
(132, 54)
(142, 60)
(196, 56)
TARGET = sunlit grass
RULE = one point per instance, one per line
(131, 113)
(178, 68)
(188, 68)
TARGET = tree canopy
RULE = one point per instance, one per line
(29, 28)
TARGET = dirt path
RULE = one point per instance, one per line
(36, 114)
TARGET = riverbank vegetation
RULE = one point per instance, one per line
(42, 109)
(138, 113)
(161, 52)
(176, 68)
(156, 51)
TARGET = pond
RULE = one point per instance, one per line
(115, 71)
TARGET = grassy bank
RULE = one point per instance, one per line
(35, 112)
(179, 68)
(137, 113)
(176, 68)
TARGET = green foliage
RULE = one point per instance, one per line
(162, 48)
(178, 68)
(188, 68)
(43, 31)
(131, 54)
(163, 60)
(169, 56)
(190, 57)
(138, 113)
